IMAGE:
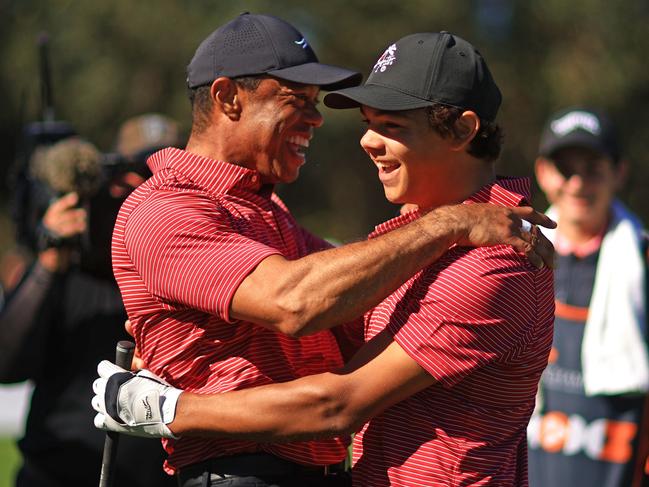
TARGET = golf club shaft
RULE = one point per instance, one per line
(123, 357)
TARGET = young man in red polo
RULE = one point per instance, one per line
(442, 391)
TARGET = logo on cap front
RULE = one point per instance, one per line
(576, 120)
(302, 43)
(388, 57)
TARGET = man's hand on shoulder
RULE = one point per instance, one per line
(483, 224)
(137, 404)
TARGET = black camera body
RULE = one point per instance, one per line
(32, 197)
(56, 162)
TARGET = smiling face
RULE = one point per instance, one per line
(279, 120)
(582, 185)
(415, 164)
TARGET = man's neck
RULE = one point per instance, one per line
(201, 147)
(579, 238)
(215, 145)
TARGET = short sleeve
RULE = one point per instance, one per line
(314, 243)
(190, 252)
(473, 308)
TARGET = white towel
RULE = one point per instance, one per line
(614, 352)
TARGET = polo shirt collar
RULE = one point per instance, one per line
(215, 177)
(505, 191)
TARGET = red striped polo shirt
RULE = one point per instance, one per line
(479, 321)
(183, 242)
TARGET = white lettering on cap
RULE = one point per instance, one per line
(576, 120)
(386, 59)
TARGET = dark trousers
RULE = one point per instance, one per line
(260, 470)
(31, 477)
(337, 480)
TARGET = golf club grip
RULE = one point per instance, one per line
(123, 357)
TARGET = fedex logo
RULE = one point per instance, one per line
(601, 439)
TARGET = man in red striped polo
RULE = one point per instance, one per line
(225, 293)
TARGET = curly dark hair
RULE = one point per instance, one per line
(485, 145)
(201, 101)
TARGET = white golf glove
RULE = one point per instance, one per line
(137, 404)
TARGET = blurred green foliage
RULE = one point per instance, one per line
(9, 461)
(118, 58)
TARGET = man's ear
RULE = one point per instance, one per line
(621, 173)
(225, 96)
(466, 128)
(548, 177)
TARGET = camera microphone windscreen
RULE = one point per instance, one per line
(69, 165)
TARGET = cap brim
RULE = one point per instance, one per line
(325, 76)
(374, 96)
(576, 139)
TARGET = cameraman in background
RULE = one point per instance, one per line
(66, 309)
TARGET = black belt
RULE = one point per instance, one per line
(253, 465)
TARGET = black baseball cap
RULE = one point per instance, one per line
(580, 127)
(254, 44)
(420, 70)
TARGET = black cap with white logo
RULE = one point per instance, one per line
(580, 127)
(420, 70)
(261, 44)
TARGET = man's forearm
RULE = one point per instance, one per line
(335, 286)
(341, 284)
(328, 288)
(316, 406)
(299, 410)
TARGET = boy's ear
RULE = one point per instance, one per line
(466, 128)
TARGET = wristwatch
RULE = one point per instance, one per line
(47, 239)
